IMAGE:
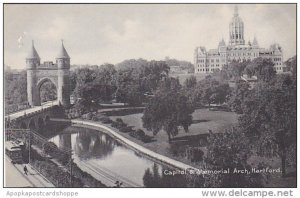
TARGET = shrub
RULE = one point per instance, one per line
(125, 129)
(140, 135)
(87, 116)
(140, 132)
(50, 148)
(137, 134)
(121, 125)
(119, 120)
(195, 154)
(105, 120)
(146, 139)
(95, 118)
(114, 124)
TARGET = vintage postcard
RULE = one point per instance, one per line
(150, 95)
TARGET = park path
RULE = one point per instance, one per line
(135, 146)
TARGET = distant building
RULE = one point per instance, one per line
(237, 50)
(251, 80)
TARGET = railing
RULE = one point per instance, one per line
(57, 163)
(9, 109)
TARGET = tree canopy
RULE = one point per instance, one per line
(168, 109)
(269, 116)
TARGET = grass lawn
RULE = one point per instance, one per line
(203, 120)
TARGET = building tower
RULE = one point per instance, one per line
(32, 62)
(63, 76)
(236, 29)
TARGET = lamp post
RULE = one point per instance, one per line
(71, 168)
(29, 149)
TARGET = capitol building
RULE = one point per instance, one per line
(236, 50)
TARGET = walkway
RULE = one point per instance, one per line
(14, 176)
(31, 110)
(135, 146)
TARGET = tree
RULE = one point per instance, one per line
(168, 109)
(131, 64)
(48, 91)
(99, 83)
(139, 78)
(269, 117)
(184, 65)
(209, 91)
(235, 69)
(152, 74)
(263, 68)
(230, 150)
(15, 87)
(239, 94)
(190, 82)
(129, 89)
(291, 65)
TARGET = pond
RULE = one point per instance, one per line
(109, 161)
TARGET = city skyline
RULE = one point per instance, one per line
(111, 33)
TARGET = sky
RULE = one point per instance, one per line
(111, 33)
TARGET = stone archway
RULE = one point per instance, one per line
(31, 124)
(49, 86)
(23, 125)
(58, 73)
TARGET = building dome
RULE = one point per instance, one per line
(236, 29)
(62, 52)
(32, 53)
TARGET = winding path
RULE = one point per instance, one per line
(135, 146)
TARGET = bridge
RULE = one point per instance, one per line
(32, 118)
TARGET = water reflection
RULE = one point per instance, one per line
(99, 154)
(65, 141)
(157, 178)
(91, 145)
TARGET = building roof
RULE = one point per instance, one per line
(255, 43)
(32, 53)
(63, 52)
(249, 79)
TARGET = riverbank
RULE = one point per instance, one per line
(134, 145)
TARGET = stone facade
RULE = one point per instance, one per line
(58, 73)
(237, 50)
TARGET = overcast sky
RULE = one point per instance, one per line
(97, 34)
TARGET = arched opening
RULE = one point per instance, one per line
(47, 90)
(41, 123)
(31, 124)
(23, 125)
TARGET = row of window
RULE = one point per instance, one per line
(277, 59)
(207, 70)
(244, 54)
(212, 60)
(212, 65)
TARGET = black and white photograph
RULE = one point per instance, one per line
(142, 95)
